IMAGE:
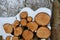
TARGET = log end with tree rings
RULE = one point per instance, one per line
(8, 28)
(8, 37)
(23, 15)
(43, 32)
(15, 38)
(23, 22)
(29, 18)
(27, 35)
(18, 31)
(32, 26)
(21, 39)
(42, 18)
(16, 23)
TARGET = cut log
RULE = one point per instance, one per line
(32, 26)
(42, 18)
(15, 38)
(43, 32)
(8, 38)
(23, 22)
(8, 28)
(23, 15)
(27, 35)
(29, 18)
(18, 31)
(16, 23)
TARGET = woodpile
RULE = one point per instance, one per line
(35, 29)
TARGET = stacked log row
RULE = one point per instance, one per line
(26, 29)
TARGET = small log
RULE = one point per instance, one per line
(8, 28)
(29, 19)
(16, 23)
(27, 35)
(15, 38)
(23, 22)
(18, 31)
(8, 38)
(23, 15)
(32, 26)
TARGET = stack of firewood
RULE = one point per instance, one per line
(27, 29)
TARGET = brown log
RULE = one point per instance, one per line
(15, 38)
(8, 28)
(23, 22)
(26, 39)
(29, 18)
(27, 35)
(23, 15)
(32, 26)
(16, 23)
(18, 31)
(42, 18)
(43, 32)
(21, 39)
(8, 37)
